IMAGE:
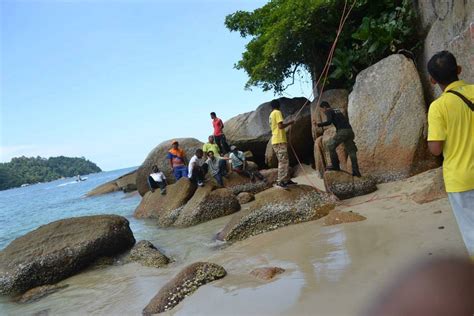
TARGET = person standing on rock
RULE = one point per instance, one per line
(211, 146)
(177, 158)
(280, 144)
(344, 135)
(219, 136)
(451, 133)
(197, 168)
(217, 167)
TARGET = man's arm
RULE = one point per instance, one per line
(329, 120)
(282, 125)
(436, 147)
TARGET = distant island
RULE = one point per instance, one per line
(29, 170)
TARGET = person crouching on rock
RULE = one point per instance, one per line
(177, 158)
(344, 135)
(239, 165)
(217, 167)
(197, 168)
(157, 179)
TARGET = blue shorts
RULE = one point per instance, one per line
(179, 172)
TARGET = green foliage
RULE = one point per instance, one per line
(33, 170)
(288, 36)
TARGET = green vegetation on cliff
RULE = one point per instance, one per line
(287, 36)
(32, 170)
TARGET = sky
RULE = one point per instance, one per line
(109, 80)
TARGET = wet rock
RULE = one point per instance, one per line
(237, 183)
(162, 207)
(158, 157)
(344, 185)
(276, 208)
(125, 183)
(60, 249)
(245, 197)
(428, 186)
(266, 273)
(38, 293)
(207, 203)
(338, 217)
(182, 285)
(148, 255)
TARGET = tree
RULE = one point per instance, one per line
(289, 36)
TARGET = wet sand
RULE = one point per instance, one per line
(330, 270)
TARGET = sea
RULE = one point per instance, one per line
(25, 209)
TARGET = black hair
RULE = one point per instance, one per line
(324, 104)
(213, 113)
(443, 67)
(199, 151)
(210, 151)
(275, 104)
(154, 168)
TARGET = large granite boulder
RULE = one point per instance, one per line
(125, 183)
(161, 207)
(251, 130)
(207, 203)
(337, 98)
(158, 157)
(446, 25)
(276, 208)
(60, 249)
(145, 253)
(183, 284)
(344, 185)
(389, 120)
(237, 183)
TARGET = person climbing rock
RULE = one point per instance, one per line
(344, 135)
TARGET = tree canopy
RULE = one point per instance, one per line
(33, 170)
(288, 36)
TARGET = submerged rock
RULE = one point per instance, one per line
(148, 255)
(276, 208)
(344, 185)
(39, 292)
(266, 273)
(183, 284)
(338, 217)
(60, 249)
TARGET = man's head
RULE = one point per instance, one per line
(443, 68)
(210, 154)
(199, 153)
(233, 149)
(155, 168)
(324, 106)
(275, 104)
(213, 115)
(211, 139)
(175, 144)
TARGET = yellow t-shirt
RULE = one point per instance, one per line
(278, 135)
(450, 120)
(211, 147)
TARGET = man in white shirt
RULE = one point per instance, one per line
(157, 179)
(197, 168)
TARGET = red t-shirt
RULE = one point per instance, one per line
(218, 125)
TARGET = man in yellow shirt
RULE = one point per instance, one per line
(211, 146)
(451, 133)
(279, 144)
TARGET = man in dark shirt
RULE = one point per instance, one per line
(344, 134)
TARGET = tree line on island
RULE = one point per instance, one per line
(30, 170)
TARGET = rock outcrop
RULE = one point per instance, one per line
(125, 183)
(276, 208)
(182, 285)
(429, 186)
(156, 205)
(245, 197)
(207, 203)
(39, 292)
(267, 273)
(336, 217)
(158, 157)
(60, 249)
(148, 255)
(389, 120)
(344, 185)
(251, 130)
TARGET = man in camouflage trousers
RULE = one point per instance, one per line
(344, 135)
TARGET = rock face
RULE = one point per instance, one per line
(125, 183)
(60, 249)
(245, 197)
(276, 208)
(389, 120)
(182, 285)
(345, 186)
(155, 205)
(266, 274)
(148, 255)
(338, 217)
(207, 203)
(158, 157)
(429, 186)
(446, 23)
(251, 131)
(237, 183)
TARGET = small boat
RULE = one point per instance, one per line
(24, 185)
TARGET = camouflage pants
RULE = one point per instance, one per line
(346, 137)
(281, 152)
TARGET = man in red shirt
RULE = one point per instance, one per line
(219, 136)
